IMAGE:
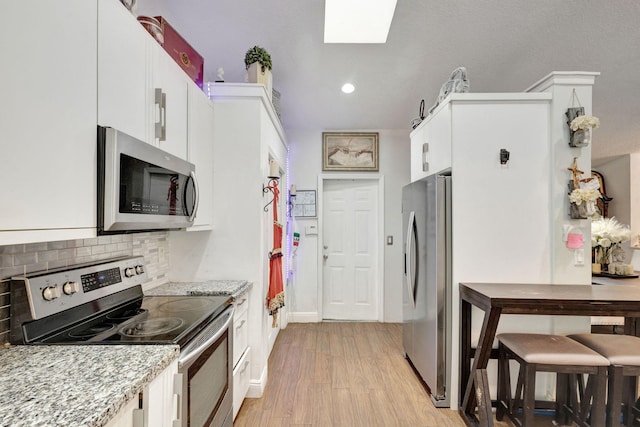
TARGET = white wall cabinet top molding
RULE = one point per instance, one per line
(220, 91)
(515, 97)
(556, 78)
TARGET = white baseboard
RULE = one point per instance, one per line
(256, 387)
(304, 317)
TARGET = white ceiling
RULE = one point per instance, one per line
(505, 45)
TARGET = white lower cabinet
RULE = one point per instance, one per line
(126, 417)
(241, 351)
(240, 336)
(241, 380)
(159, 403)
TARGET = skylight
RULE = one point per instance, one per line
(357, 21)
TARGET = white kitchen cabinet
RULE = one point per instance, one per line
(173, 83)
(124, 89)
(431, 144)
(200, 153)
(247, 134)
(139, 84)
(158, 403)
(129, 416)
(240, 327)
(99, 68)
(241, 381)
(161, 400)
(241, 351)
(48, 121)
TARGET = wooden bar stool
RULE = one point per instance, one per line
(623, 353)
(551, 353)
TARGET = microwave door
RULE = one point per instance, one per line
(191, 197)
(141, 187)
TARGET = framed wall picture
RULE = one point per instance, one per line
(350, 151)
(305, 204)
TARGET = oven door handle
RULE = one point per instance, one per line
(209, 336)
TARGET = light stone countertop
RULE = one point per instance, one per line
(82, 385)
(233, 288)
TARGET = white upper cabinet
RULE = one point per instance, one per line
(124, 90)
(48, 121)
(171, 83)
(431, 144)
(86, 63)
(200, 153)
(139, 84)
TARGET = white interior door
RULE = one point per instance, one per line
(350, 254)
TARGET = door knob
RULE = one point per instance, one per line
(325, 256)
(326, 247)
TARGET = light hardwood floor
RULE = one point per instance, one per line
(337, 374)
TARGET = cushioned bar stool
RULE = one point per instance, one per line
(551, 353)
(623, 353)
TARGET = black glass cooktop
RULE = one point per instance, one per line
(142, 320)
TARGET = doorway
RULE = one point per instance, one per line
(350, 249)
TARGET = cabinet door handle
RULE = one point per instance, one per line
(244, 368)
(137, 418)
(161, 124)
(242, 302)
(177, 390)
(241, 324)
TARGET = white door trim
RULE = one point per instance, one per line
(380, 270)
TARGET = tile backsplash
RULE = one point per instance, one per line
(28, 258)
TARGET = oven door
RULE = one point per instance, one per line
(205, 365)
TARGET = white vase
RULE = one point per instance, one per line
(256, 74)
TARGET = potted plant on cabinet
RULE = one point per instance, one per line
(258, 63)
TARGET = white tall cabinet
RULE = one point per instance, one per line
(247, 134)
(507, 219)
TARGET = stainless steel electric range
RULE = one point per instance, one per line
(103, 303)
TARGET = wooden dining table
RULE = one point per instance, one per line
(496, 299)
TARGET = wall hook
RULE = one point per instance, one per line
(504, 156)
(271, 187)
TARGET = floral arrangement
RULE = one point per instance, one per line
(584, 193)
(584, 122)
(606, 236)
(580, 195)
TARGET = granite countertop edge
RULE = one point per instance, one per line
(232, 288)
(36, 399)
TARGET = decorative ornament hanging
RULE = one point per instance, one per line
(580, 125)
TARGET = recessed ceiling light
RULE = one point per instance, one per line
(348, 88)
(357, 21)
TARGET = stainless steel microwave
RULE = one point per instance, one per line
(141, 187)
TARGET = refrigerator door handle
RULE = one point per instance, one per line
(408, 254)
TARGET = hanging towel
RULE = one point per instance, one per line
(275, 295)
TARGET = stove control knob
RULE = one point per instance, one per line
(139, 269)
(51, 292)
(129, 272)
(71, 288)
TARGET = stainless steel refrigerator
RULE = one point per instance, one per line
(426, 213)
